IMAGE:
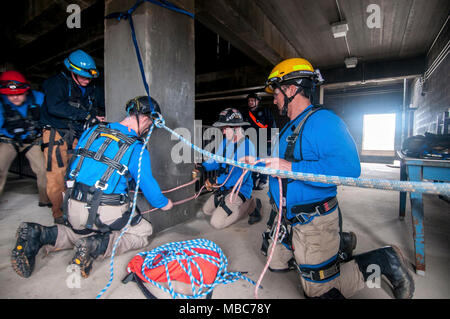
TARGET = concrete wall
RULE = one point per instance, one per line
(166, 41)
(352, 104)
(432, 97)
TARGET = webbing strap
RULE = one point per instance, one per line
(113, 164)
(96, 191)
(292, 139)
(322, 272)
(256, 121)
(105, 160)
(51, 143)
(89, 142)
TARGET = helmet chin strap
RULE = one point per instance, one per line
(137, 120)
(288, 100)
(75, 78)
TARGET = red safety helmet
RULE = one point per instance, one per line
(13, 82)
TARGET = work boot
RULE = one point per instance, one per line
(59, 220)
(392, 264)
(40, 204)
(30, 238)
(255, 216)
(87, 249)
(348, 244)
(331, 294)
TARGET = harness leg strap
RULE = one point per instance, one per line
(51, 143)
(93, 209)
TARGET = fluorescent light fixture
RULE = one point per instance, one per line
(339, 29)
(351, 63)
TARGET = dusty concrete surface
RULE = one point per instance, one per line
(372, 214)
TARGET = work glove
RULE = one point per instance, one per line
(91, 120)
(198, 172)
(209, 185)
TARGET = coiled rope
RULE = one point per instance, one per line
(187, 251)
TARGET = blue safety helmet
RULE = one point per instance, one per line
(81, 63)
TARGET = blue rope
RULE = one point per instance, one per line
(127, 15)
(133, 211)
(403, 186)
(177, 251)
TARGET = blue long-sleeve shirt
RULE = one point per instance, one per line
(92, 170)
(327, 149)
(23, 110)
(246, 148)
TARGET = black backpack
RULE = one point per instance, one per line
(427, 146)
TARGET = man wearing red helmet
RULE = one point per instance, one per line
(19, 128)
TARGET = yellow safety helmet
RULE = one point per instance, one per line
(291, 69)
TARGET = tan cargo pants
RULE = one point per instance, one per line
(220, 219)
(313, 244)
(37, 162)
(135, 237)
(55, 177)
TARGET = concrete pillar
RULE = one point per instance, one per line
(166, 41)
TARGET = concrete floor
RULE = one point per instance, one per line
(371, 214)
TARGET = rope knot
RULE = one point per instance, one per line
(158, 120)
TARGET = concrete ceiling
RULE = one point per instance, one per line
(269, 31)
(260, 33)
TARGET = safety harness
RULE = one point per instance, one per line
(304, 214)
(68, 135)
(93, 195)
(17, 125)
(221, 193)
(75, 98)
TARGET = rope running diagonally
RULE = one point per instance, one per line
(393, 185)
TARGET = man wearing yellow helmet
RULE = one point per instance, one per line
(317, 141)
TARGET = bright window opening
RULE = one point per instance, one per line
(379, 134)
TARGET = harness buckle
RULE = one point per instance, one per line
(308, 275)
(292, 138)
(282, 233)
(123, 170)
(70, 183)
(100, 185)
(304, 217)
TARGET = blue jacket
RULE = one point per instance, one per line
(327, 148)
(66, 104)
(92, 170)
(243, 149)
(23, 110)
